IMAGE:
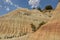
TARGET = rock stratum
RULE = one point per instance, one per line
(24, 24)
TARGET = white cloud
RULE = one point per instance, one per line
(34, 3)
(7, 0)
(16, 6)
(0, 6)
(11, 3)
(7, 8)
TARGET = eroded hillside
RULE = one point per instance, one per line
(49, 31)
(25, 24)
(21, 22)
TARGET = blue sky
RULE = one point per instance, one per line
(7, 6)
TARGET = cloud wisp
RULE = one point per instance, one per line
(7, 8)
(34, 3)
(11, 3)
(0, 6)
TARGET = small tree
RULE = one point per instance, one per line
(48, 7)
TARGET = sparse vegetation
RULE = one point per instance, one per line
(24, 33)
(9, 37)
(42, 23)
(6, 37)
(48, 7)
(19, 23)
(27, 14)
(38, 8)
(33, 27)
(0, 38)
(50, 16)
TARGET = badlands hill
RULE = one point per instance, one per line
(21, 22)
(24, 24)
(49, 31)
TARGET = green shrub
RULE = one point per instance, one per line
(33, 27)
(6, 37)
(42, 23)
(28, 14)
(24, 33)
(48, 7)
(0, 38)
(9, 37)
(38, 8)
